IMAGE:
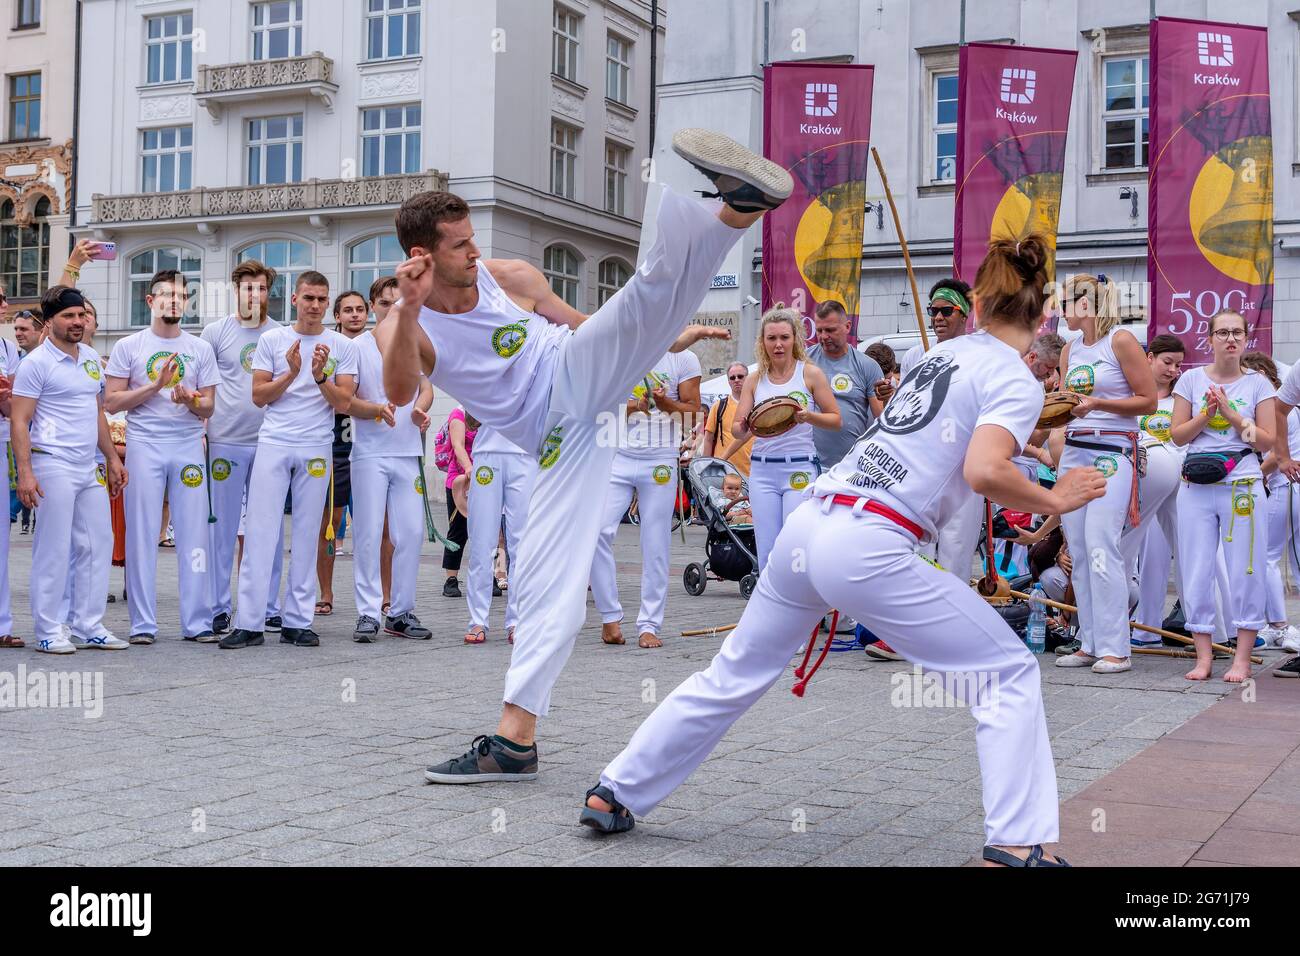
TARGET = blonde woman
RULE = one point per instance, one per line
(784, 466)
(1109, 369)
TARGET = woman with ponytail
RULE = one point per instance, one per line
(948, 434)
(1109, 369)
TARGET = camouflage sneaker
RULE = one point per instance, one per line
(1071, 648)
(486, 761)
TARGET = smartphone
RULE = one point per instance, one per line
(105, 250)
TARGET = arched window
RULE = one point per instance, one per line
(613, 273)
(561, 267)
(289, 259)
(144, 264)
(371, 258)
(25, 250)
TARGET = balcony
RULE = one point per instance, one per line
(217, 86)
(314, 198)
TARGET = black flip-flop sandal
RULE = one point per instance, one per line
(618, 820)
(1036, 858)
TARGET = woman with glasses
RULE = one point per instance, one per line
(1224, 409)
(784, 466)
(1109, 369)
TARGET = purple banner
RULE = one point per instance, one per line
(1211, 182)
(1013, 108)
(817, 124)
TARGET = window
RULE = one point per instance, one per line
(943, 128)
(29, 14)
(564, 160)
(613, 274)
(390, 140)
(25, 106)
(392, 28)
(564, 44)
(25, 250)
(145, 264)
(1125, 105)
(275, 150)
(618, 64)
(371, 258)
(166, 159)
(169, 48)
(616, 178)
(561, 268)
(289, 259)
(277, 29)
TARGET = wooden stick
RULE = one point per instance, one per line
(1141, 627)
(1164, 652)
(709, 630)
(902, 241)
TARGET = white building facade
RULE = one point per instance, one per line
(713, 76)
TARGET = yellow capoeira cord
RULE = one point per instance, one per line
(1232, 522)
(329, 526)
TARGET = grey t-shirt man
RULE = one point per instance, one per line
(853, 378)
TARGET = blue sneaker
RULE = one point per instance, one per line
(1232, 642)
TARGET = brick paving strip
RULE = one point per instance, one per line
(1221, 790)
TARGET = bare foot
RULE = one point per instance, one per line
(612, 633)
(595, 803)
(649, 640)
(1199, 672)
(1237, 673)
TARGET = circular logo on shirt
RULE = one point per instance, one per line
(316, 467)
(220, 469)
(509, 339)
(101, 476)
(1219, 422)
(1157, 425)
(1106, 464)
(799, 480)
(246, 357)
(1243, 503)
(661, 474)
(330, 365)
(156, 362)
(92, 368)
(801, 397)
(483, 475)
(191, 476)
(1081, 379)
(551, 447)
(841, 383)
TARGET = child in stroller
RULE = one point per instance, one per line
(723, 502)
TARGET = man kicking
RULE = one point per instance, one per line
(550, 379)
(302, 375)
(58, 421)
(165, 379)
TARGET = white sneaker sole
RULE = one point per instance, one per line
(56, 650)
(1074, 660)
(102, 647)
(722, 154)
(458, 778)
(1109, 667)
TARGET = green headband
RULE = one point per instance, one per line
(953, 296)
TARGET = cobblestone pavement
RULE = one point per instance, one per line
(280, 754)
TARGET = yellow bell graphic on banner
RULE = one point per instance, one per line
(828, 244)
(1032, 204)
(1231, 210)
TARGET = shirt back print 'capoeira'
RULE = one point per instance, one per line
(911, 458)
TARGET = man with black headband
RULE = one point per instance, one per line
(166, 381)
(58, 420)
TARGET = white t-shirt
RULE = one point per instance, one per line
(138, 359)
(66, 422)
(489, 441)
(301, 416)
(372, 439)
(9, 359)
(658, 434)
(798, 441)
(911, 458)
(1095, 372)
(1218, 434)
(1153, 429)
(910, 360)
(235, 420)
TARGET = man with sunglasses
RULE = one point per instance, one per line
(949, 311)
(718, 441)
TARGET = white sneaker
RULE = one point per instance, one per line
(1076, 660)
(60, 646)
(1289, 639)
(1104, 666)
(106, 640)
(1272, 635)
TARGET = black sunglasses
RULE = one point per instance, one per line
(736, 378)
(945, 310)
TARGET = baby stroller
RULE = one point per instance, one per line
(731, 554)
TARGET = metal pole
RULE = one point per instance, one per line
(654, 70)
(765, 32)
(963, 21)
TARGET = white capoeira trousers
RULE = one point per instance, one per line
(503, 489)
(776, 488)
(1099, 572)
(1230, 515)
(176, 471)
(655, 482)
(276, 470)
(869, 568)
(1283, 546)
(386, 486)
(75, 504)
(6, 608)
(598, 364)
(1140, 546)
(232, 467)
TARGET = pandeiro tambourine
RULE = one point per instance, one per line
(773, 416)
(1057, 407)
